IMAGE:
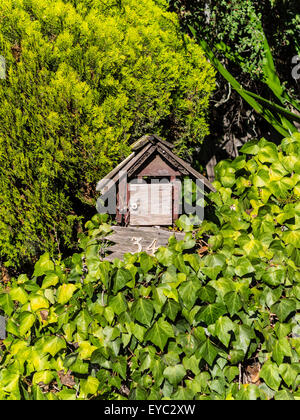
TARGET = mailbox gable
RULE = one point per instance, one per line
(148, 184)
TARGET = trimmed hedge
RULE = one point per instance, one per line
(84, 80)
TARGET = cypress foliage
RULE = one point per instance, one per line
(84, 79)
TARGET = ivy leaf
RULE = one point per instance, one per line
(109, 314)
(6, 303)
(280, 188)
(53, 345)
(231, 372)
(93, 265)
(244, 267)
(80, 367)
(248, 392)
(83, 321)
(171, 309)
(236, 356)
(118, 303)
(89, 386)
(184, 223)
(183, 394)
(282, 330)
(251, 147)
(268, 153)
(19, 294)
(120, 366)
(85, 350)
(284, 308)
(121, 278)
(292, 237)
(65, 292)
(171, 358)
(274, 276)
(191, 363)
(160, 333)
(26, 320)
(270, 374)
(244, 335)
(281, 350)
(142, 311)
(164, 256)
(38, 302)
(284, 395)
(252, 247)
(146, 262)
(208, 352)
(10, 381)
(71, 359)
(233, 302)
(39, 359)
(67, 394)
(157, 371)
(188, 293)
(210, 313)
(214, 264)
(45, 376)
(271, 296)
(261, 178)
(104, 273)
(174, 374)
(50, 279)
(193, 260)
(289, 372)
(138, 331)
(223, 326)
(43, 265)
(207, 294)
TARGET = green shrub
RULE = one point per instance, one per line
(176, 326)
(84, 80)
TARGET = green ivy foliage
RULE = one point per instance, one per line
(181, 325)
(83, 81)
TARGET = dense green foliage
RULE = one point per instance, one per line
(235, 34)
(85, 79)
(220, 324)
(276, 112)
(236, 28)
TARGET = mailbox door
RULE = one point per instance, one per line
(151, 204)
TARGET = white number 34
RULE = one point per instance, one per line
(152, 248)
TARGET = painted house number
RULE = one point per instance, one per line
(152, 248)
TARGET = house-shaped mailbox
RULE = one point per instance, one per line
(146, 187)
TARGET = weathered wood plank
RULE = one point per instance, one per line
(159, 167)
(145, 232)
(169, 154)
(134, 245)
(125, 230)
(133, 240)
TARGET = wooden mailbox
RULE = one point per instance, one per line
(148, 184)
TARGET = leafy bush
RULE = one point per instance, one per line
(221, 323)
(84, 80)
